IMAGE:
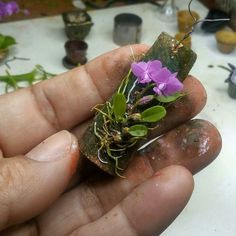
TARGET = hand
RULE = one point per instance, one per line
(35, 175)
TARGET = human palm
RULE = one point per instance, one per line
(42, 191)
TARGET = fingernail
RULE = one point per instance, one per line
(54, 148)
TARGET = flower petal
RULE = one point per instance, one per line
(138, 68)
(173, 86)
(158, 91)
(154, 65)
(144, 78)
(162, 76)
(11, 8)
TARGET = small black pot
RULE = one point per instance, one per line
(76, 51)
(77, 24)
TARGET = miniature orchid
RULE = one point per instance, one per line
(140, 105)
(145, 70)
(165, 82)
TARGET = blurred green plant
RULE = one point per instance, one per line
(5, 42)
(14, 82)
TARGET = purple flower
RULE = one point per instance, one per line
(145, 70)
(2, 9)
(10, 8)
(166, 83)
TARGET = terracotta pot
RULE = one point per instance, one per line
(226, 40)
(187, 42)
(185, 20)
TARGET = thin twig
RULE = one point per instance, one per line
(195, 24)
(13, 59)
(224, 67)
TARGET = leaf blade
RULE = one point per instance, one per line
(138, 130)
(172, 98)
(6, 41)
(119, 105)
(153, 114)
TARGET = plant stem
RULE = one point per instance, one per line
(37, 74)
(19, 78)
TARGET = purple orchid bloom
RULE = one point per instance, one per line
(10, 8)
(145, 70)
(166, 83)
(2, 10)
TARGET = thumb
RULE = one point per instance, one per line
(30, 183)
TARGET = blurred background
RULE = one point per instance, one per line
(39, 8)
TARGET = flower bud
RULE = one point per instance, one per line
(125, 130)
(145, 100)
(135, 116)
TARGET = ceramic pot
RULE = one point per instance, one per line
(185, 20)
(226, 41)
(187, 42)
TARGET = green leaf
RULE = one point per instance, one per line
(9, 41)
(172, 98)
(6, 41)
(119, 105)
(138, 130)
(153, 114)
(2, 39)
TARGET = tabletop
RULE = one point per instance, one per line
(212, 208)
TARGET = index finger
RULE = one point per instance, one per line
(30, 115)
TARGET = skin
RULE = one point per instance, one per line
(41, 192)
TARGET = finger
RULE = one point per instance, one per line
(148, 209)
(30, 184)
(25, 229)
(62, 102)
(178, 112)
(94, 198)
(194, 145)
